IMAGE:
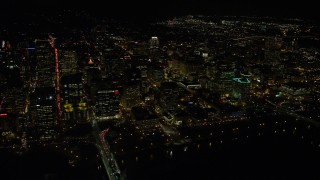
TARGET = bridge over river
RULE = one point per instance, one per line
(108, 159)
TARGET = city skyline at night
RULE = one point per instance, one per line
(165, 8)
(159, 90)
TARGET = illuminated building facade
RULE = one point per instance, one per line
(154, 42)
(69, 64)
(43, 109)
(131, 96)
(169, 95)
(107, 103)
(45, 64)
(5, 123)
(75, 108)
(241, 90)
(12, 73)
(226, 71)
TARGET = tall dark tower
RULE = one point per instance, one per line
(154, 48)
(154, 42)
(43, 110)
(75, 110)
(107, 102)
(169, 94)
(48, 78)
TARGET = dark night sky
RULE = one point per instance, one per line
(159, 8)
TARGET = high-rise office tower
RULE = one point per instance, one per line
(107, 103)
(75, 110)
(48, 71)
(154, 42)
(45, 70)
(225, 73)
(169, 94)
(69, 63)
(107, 97)
(43, 109)
(241, 90)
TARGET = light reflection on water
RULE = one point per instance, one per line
(239, 152)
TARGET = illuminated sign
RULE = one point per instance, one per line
(6, 133)
(82, 106)
(4, 115)
(68, 107)
(242, 80)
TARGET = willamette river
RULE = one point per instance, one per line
(272, 152)
(292, 152)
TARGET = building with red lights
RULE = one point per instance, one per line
(107, 103)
